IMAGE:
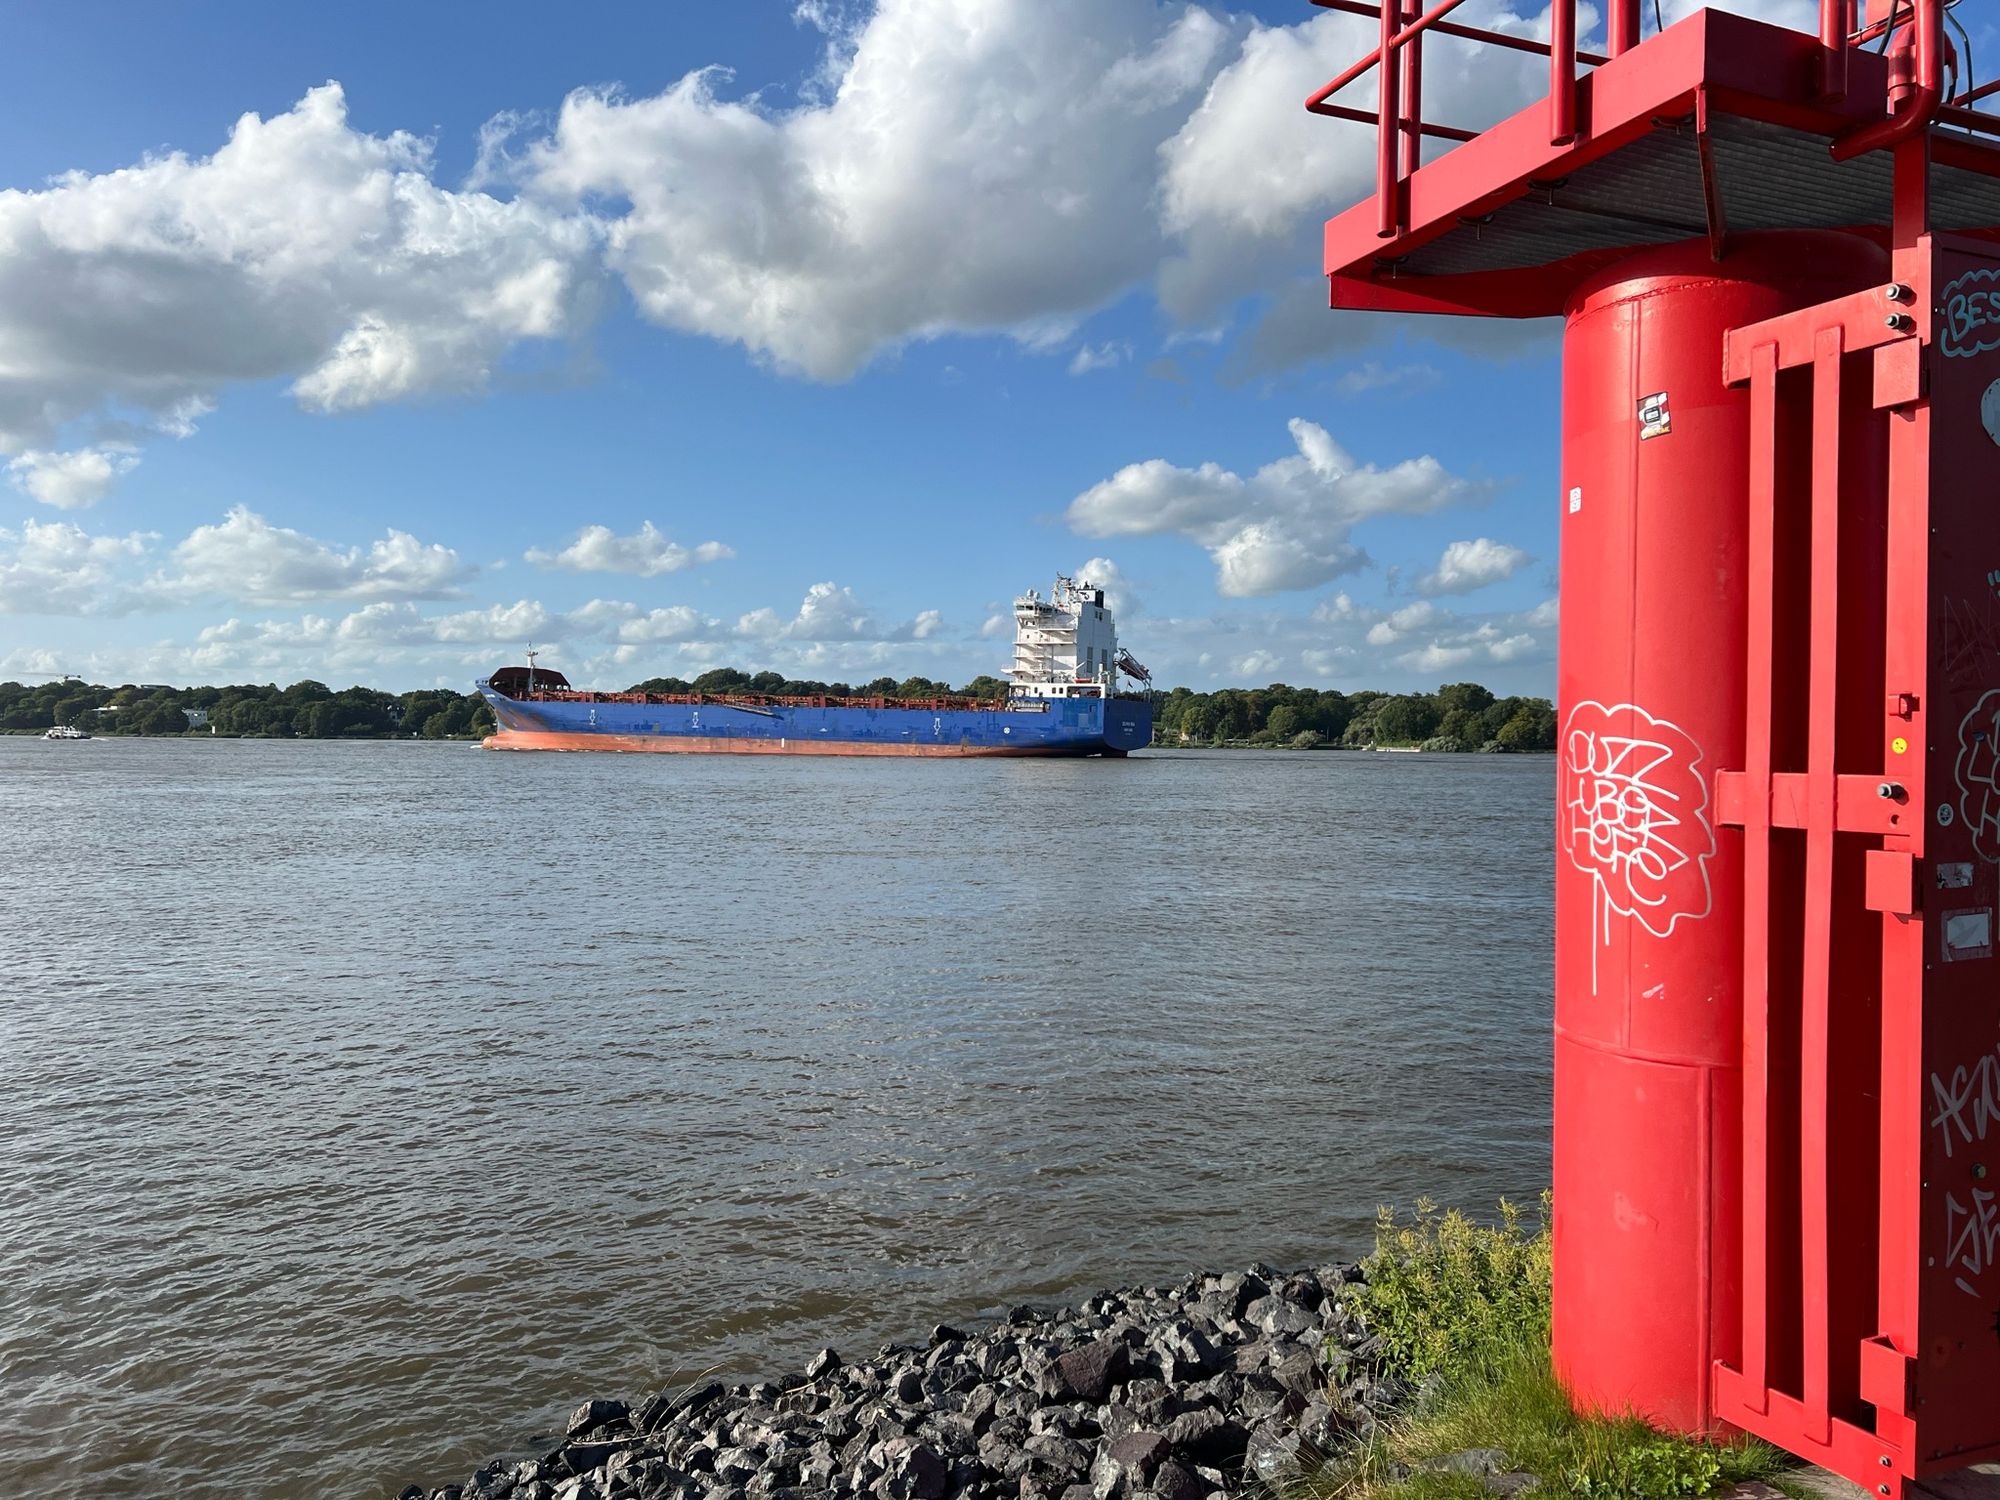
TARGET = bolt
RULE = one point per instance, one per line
(1898, 293)
(1881, 1489)
(1885, 1460)
(1889, 791)
(1899, 322)
(1979, 1171)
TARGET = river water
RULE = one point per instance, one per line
(369, 1105)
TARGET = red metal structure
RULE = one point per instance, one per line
(1777, 996)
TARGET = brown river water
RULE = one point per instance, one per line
(369, 1105)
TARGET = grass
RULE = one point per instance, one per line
(1463, 1313)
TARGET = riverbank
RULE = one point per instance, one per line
(1210, 1387)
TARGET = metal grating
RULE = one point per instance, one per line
(1650, 193)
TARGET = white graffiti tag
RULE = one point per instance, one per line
(1635, 816)
(1972, 1237)
(1978, 775)
(1969, 1104)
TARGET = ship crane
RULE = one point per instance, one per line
(1129, 665)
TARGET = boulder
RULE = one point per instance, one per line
(1087, 1374)
(594, 1414)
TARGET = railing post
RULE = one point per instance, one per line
(1623, 26)
(1562, 72)
(1413, 99)
(1388, 127)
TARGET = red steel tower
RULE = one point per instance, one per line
(1777, 1110)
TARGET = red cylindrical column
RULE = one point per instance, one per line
(1648, 889)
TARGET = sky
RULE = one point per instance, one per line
(372, 343)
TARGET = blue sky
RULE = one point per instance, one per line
(367, 343)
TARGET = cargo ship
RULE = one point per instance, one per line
(1063, 698)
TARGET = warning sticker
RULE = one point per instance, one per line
(1654, 420)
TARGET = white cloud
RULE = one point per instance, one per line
(301, 248)
(646, 553)
(982, 165)
(1284, 527)
(69, 481)
(1119, 596)
(1466, 566)
(1099, 357)
(246, 558)
(830, 612)
(55, 568)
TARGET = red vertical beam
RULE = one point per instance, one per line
(1836, 22)
(1562, 72)
(1623, 27)
(1907, 669)
(1761, 623)
(1388, 127)
(1815, 1020)
(1412, 58)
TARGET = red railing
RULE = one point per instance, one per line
(1918, 98)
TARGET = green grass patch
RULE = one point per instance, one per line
(1463, 1313)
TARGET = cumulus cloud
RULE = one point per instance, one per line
(646, 553)
(300, 248)
(1102, 573)
(55, 568)
(245, 558)
(1466, 566)
(831, 612)
(1287, 526)
(982, 165)
(69, 481)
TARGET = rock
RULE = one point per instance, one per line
(1271, 1453)
(595, 1414)
(1125, 1465)
(1208, 1437)
(1520, 1482)
(737, 1465)
(909, 1387)
(911, 1471)
(1087, 1374)
(578, 1458)
(1063, 1456)
(1185, 1353)
(1300, 1372)
(944, 1333)
(1176, 1481)
(1275, 1315)
(823, 1364)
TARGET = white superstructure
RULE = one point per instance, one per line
(1065, 646)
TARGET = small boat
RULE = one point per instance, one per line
(66, 732)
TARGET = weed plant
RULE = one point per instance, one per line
(1462, 1310)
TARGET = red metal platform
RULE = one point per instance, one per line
(1778, 996)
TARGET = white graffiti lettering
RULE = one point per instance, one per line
(1972, 1237)
(1968, 1105)
(1977, 772)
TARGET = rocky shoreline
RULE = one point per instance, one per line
(1215, 1387)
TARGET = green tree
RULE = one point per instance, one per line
(1406, 719)
(1285, 723)
(1533, 727)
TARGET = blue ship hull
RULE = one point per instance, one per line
(1038, 726)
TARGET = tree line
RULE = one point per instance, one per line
(305, 710)
(1461, 716)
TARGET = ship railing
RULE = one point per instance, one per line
(1401, 127)
(768, 700)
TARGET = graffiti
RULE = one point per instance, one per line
(1635, 817)
(1969, 1103)
(1971, 643)
(1972, 1238)
(1978, 775)
(1971, 315)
